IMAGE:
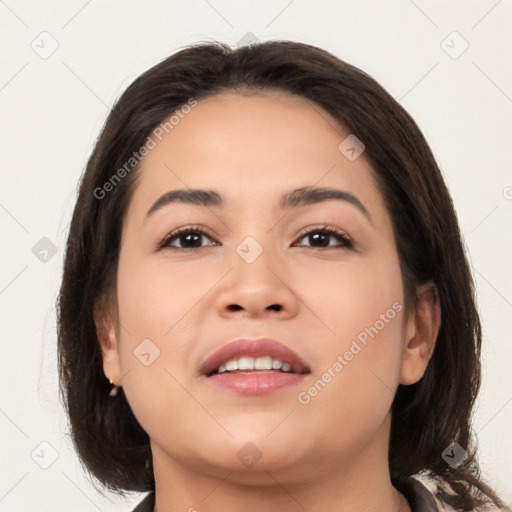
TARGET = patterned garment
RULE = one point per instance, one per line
(419, 497)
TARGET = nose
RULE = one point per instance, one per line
(259, 288)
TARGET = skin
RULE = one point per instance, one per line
(330, 454)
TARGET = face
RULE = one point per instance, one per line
(253, 269)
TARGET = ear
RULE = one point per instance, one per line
(107, 338)
(422, 328)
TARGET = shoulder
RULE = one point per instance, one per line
(419, 492)
(442, 506)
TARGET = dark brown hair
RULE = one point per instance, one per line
(427, 416)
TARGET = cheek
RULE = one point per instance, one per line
(353, 392)
(358, 364)
(153, 303)
(154, 298)
(355, 301)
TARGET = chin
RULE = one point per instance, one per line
(251, 465)
(259, 450)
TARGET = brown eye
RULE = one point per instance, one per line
(320, 238)
(188, 238)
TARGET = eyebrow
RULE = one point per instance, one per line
(303, 196)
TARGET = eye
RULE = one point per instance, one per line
(319, 237)
(189, 236)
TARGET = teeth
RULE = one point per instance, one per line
(263, 363)
(276, 364)
(251, 363)
(246, 363)
(232, 365)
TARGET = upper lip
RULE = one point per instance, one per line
(253, 348)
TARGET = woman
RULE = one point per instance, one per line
(266, 304)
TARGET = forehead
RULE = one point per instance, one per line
(249, 147)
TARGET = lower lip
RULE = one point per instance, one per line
(261, 383)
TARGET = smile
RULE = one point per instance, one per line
(254, 367)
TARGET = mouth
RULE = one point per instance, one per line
(254, 367)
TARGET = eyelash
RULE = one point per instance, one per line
(329, 230)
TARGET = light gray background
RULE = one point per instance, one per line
(52, 109)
